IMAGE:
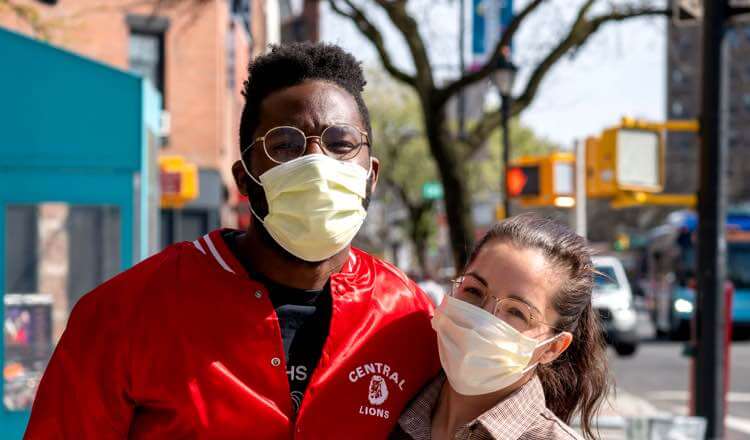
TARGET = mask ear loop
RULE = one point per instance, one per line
(545, 342)
(247, 171)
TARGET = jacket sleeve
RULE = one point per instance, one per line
(84, 393)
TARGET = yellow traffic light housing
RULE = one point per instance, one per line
(178, 181)
(625, 158)
(543, 180)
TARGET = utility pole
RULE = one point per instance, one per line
(461, 68)
(505, 111)
(708, 373)
(580, 176)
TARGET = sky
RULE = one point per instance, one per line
(619, 72)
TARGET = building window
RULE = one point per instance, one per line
(677, 76)
(146, 49)
(677, 109)
(241, 12)
(231, 56)
(21, 253)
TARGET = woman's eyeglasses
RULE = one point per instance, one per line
(285, 143)
(518, 314)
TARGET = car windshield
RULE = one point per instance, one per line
(605, 278)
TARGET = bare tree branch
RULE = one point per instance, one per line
(368, 29)
(405, 23)
(579, 33)
(497, 54)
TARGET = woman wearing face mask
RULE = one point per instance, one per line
(520, 345)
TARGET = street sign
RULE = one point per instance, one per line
(638, 159)
(432, 191)
(490, 18)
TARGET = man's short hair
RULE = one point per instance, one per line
(287, 65)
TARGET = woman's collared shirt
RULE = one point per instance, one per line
(522, 416)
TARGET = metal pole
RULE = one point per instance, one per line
(581, 226)
(462, 68)
(708, 372)
(505, 109)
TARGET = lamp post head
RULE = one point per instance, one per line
(504, 76)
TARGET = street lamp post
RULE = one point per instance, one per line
(503, 78)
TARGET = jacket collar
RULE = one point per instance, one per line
(213, 246)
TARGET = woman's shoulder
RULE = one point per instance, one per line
(549, 427)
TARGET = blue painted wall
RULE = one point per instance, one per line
(61, 110)
(71, 130)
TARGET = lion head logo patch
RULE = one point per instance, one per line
(378, 390)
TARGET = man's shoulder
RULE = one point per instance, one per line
(157, 266)
(144, 278)
(391, 275)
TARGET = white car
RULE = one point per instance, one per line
(613, 299)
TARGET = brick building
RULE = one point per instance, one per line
(196, 53)
(683, 102)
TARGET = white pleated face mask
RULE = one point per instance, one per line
(314, 204)
(480, 352)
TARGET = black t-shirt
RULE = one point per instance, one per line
(304, 319)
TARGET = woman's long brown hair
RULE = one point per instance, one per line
(577, 382)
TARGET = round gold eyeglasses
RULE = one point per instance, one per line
(285, 143)
(520, 315)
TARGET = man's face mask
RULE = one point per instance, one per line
(315, 204)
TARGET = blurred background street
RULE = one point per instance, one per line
(658, 376)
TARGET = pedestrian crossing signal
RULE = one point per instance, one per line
(541, 180)
(523, 181)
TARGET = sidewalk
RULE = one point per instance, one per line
(620, 406)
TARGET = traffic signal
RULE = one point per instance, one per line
(178, 181)
(542, 180)
(629, 157)
(523, 181)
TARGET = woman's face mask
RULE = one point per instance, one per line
(480, 353)
(315, 204)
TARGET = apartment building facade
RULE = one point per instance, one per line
(683, 102)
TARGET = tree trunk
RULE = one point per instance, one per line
(419, 232)
(418, 241)
(457, 198)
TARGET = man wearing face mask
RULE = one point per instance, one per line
(281, 331)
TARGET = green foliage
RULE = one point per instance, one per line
(399, 141)
(483, 170)
(407, 163)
